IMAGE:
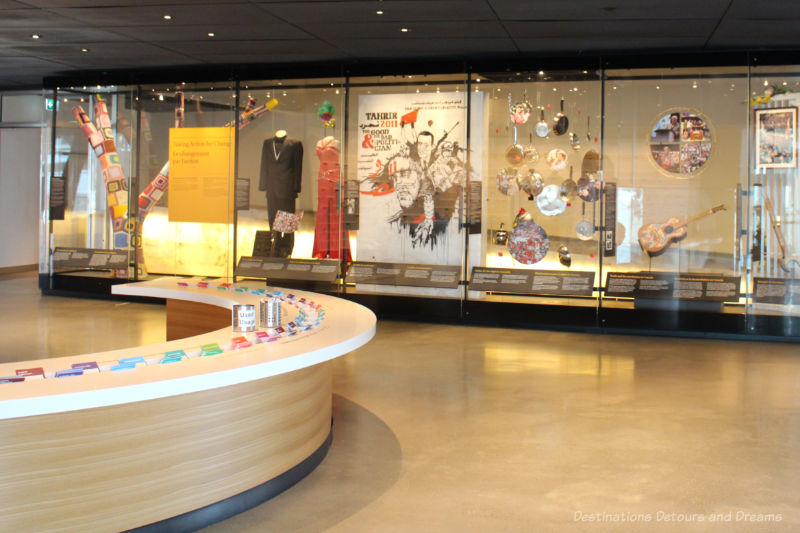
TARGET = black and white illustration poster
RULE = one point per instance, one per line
(412, 168)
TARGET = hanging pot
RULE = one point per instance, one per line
(500, 236)
(560, 121)
(542, 128)
(564, 257)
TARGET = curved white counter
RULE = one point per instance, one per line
(163, 442)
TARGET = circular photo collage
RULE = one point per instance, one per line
(680, 142)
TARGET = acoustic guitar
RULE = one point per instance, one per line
(655, 238)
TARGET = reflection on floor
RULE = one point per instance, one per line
(445, 428)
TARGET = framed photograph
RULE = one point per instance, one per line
(776, 137)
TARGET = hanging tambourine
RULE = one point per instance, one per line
(528, 242)
(588, 188)
(507, 181)
(520, 112)
(515, 155)
(557, 159)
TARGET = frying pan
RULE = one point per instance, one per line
(542, 129)
(531, 153)
(515, 155)
(560, 121)
(584, 228)
(568, 189)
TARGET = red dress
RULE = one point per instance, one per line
(328, 235)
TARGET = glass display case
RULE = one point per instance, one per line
(617, 198)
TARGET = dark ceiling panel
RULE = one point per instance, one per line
(58, 36)
(608, 9)
(409, 48)
(35, 19)
(607, 43)
(112, 3)
(364, 12)
(258, 31)
(149, 15)
(11, 4)
(579, 30)
(272, 51)
(417, 30)
(764, 9)
(755, 33)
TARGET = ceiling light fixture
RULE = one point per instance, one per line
(210, 34)
(379, 12)
(84, 50)
(167, 17)
(404, 30)
(36, 36)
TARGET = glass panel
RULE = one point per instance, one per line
(773, 242)
(185, 188)
(539, 154)
(88, 193)
(289, 162)
(407, 156)
(675, 165)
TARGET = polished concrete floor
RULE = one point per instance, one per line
(456, 429)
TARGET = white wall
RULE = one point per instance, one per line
(19, 196)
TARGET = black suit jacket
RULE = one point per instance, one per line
(281, 176)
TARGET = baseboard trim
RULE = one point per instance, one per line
(17, 269)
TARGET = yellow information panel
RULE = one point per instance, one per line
(201, 184)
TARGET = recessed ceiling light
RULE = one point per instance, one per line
(84, 50)
(211, 34)
(167, 17)
(379, 12)
(404, 30)
(35, 36)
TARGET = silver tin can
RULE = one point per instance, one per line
(270, 312)
(244, 318)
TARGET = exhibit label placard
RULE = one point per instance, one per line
(201, 169)
(535, 282)
(671, 285)
(89, 258)
(409, 275)
(289, 269)
(776, 291)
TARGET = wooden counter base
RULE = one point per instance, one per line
(185, 319)
(126, 466)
